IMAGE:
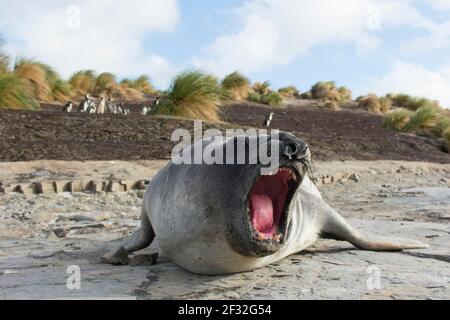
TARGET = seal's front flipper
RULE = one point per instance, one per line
(336, 227)
(140, 239)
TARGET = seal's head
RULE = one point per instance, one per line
(254, 204)
(262, 226)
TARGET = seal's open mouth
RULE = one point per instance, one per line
(269, 201)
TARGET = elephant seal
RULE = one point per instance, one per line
(220, 218)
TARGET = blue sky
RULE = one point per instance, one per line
(368, 45)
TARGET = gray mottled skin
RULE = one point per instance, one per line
(198, 213)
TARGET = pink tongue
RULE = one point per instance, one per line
(262, 210)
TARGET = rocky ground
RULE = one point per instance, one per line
(350, 134)
(42, 238)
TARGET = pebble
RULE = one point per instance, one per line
(355, 177)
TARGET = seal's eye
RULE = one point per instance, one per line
(269, 201)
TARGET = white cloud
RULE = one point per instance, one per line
(413, 79)
(275, 32)
(161, 70)
(440, 4)
(438, 38)
(104, 35)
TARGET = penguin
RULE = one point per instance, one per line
(268, 120)
(119, 108)
(101, 106)
(84, 104)
(110, 106)
(144, 111)
(91, 108)
(68, 107)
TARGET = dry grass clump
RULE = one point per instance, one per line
(15, 93)
(261, 88)
(142, 85)
(425, 118)
(130, 94)
(325, 90)
(105, 85)
(192, 94)
(236, 86)
(411, 103)
(332, 105)
(345, 95)
(262, 93)
(289, 92)
(328, 91)
(306, 95)
(60, 89)
(30, 82)
(272, 99)
(397, 119)
(446, 137)
(4, 62)
(82, 82)
(375, 104)
(35, 76)
(429, 119)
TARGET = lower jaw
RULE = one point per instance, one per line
(273, 235)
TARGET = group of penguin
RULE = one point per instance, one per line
(87, 105)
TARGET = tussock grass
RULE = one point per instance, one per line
(254, 97)
(385, 104)
(306, 95)
(4, 63)
(331, 105)
(192, 94)
(236, 86)
(345, 95)
(324, 90)
(132, 94)
(262, 88)
(105, 84)
(411, 103)
(142, 84)
(36, 77)
(375, 104)
(272, 99)
(397, 119)
(446, 137)
(426, 117)
(82, 82)
(328, 91)
(443, 124)
(4, 59)
(289, 92)
(60, 89)
(16, 93)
